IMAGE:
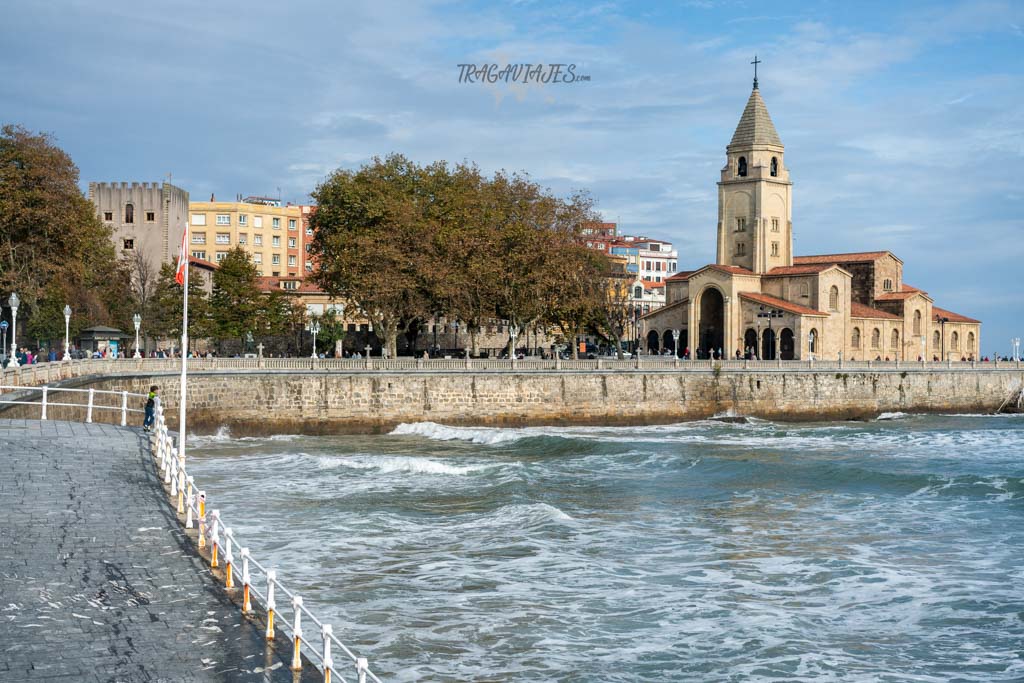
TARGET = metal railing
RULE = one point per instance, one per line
(91, 404)
(45, 373)
(219, 542)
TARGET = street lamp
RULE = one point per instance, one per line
(675, 346)
(513, 331)
(315, 329)
(137, 319)
(67, 327)
(14, 301)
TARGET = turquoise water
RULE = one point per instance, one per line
(703, 551)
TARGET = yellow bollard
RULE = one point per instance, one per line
(246, 603)
(228, 560)
(271, 605)
(297, 630)
(202, 519)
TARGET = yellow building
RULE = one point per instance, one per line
(271, 233)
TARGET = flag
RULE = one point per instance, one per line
(179, 276)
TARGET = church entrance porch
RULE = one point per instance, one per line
(786, 346)
(652, 342)
(711, 323)
(768, 344)
(668, 342)
(750, 341)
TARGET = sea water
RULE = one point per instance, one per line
(703, 551)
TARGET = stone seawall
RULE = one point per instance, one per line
(254, 402)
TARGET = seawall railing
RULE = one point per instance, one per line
(45, 373)
(215, 540)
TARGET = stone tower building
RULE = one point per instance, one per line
(146, 218)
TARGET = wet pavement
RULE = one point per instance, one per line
(97, 579)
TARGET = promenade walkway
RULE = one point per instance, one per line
(97, 579)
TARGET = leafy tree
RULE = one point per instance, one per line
(577, 296)
(166, 306)
(53, 248)
(237, 305)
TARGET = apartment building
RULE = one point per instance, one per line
(271, 233)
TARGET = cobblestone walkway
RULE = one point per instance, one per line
(97, 580)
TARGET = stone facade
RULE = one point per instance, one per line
(759, 298)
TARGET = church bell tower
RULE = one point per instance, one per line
(755, 219)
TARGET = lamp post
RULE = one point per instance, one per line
(14, 301)
(137, 319)
(942, 326)
(315, 329)
(513, 332)
(675, 346)
(3, 336)
(67, 328)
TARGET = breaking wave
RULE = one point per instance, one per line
(389, 464)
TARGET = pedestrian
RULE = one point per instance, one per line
(147, 424)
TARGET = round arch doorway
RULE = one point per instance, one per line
(768, 344)
(786, 345)
(711, 326)
(750, 341)
(667, 342)
(652, 342)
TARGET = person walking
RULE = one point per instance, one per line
(147, 424)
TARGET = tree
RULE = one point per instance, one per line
(615, 311)
(371, 235)
(53, 248)
(167, 302)
(237, 306)
(577, 295)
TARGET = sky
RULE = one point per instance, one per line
(903, 122)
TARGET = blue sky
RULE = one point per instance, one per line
(903, 122)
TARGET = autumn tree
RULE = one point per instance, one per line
(237, 305)
(54, 251)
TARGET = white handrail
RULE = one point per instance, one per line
(220, 549)
(45, 403)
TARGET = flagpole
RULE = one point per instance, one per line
(184, 353)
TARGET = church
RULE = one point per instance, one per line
(759, 300)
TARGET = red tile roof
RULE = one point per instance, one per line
(202, 264)
(854, 257)
(861, 311)
(952, 317)
(782, 304)
(910, 288)
(271, 284)
(652, 285)
(681, 276)
(808, 269)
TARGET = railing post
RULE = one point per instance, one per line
(246, 582)
(271, 605)
(190, 501)
(214, 539)
(88, 409)
(326, 632)
(202, 519)
(43, 416)
(229, 581)
(297, 632)
(181, 489)
(124, 408)
(361, 666)
(174, 478)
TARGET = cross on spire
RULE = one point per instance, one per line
(755, 63)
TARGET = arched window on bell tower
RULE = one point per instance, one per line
(741, 169)
(775, 167)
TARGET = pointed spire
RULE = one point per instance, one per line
(755, 126)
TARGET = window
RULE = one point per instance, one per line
(150, 216)
(199, 255)
(129, 213)
(741, 248)
(970, 341)
(775, 248)
(291, 223)
(275, 259)
(243, 238)
(129, 244)
(775, 167)
(223, 238)
(276, 242)
(291, 243)
(855, 338)
(812, 340)
(108, 215)
(638, 292)
(833, 298)
(257, 221)
(198, 219)
(936, 340)
(309, 231)
(657, 278)
(876, 338)
(954, 341)
(291, 261)
(307, 248)
(741, 225)
(894, 341)
(221, 255)
(655, 247)
(805, 290)
(243, 219)
(775, 225)
(290, 284)
(257, 240)
(277, 223)
(741, 169)
(657, 266)
(223, 219)
(199, 238)
(257, 258)
(887, 285)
